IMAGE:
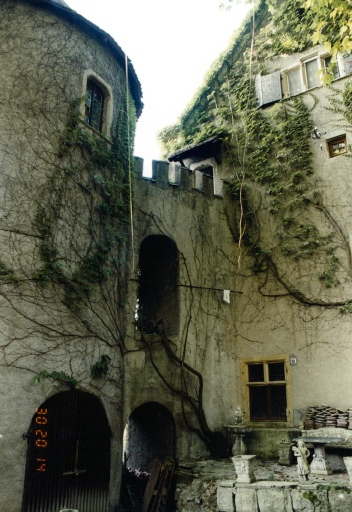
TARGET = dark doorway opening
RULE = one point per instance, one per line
(68, 457)
(150, 434)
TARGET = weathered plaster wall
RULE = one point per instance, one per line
(263, 320)
(318, 336)
(196, 221)
(46, 59)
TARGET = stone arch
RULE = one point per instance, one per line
(150, 434)
(158, 297)
(68, 456)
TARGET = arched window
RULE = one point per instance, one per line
(94, 105)
(158, 292)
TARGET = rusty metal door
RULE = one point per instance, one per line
(68, 458)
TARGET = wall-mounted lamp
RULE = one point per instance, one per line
(316, 134)
(293, 360)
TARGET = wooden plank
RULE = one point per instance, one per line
(151, 486)
(165, 483)
(158, 486)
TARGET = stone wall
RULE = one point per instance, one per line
(196, 221)
(210, 486)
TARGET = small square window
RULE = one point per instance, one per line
(266, 383)
(256, 373)
(337, 146)
(276, 371)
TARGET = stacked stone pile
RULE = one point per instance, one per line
(320, 416)
(349, 411)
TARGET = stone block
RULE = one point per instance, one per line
(274, 499)
(246, 499)
(225, 496)
(305, 500)
(340, 500)
(244, 467)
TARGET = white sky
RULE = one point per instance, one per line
(171, 43)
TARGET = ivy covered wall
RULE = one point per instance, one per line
(291, 200)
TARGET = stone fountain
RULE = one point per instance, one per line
(237, 433)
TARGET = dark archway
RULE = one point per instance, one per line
(150, 434)
(158, 279)
(68, 457)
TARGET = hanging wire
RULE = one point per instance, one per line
(129, 162)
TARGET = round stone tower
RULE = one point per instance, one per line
(66, 134)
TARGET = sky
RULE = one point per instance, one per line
(172, 44)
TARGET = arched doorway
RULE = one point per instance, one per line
(150, 434)
(68, 457)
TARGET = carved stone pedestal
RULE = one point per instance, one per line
(285, 453)
(244, 467)
(319, 464)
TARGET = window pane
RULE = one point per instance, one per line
(294, 82)
(97, 109)
(277, 402)
(94, 106)
(258, 402)
(276, 371)
(312, 71)
(208, 171)
(337, 147)
(256, 372)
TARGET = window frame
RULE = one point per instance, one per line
(91, 75)
(96, 87)
(305, 79)
(316, 75)
(246, 385)
(287, 83)
(337, 140)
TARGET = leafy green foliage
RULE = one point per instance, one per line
(346, 308)
(62, 377)
(269, 151)
(289, 30)
(7, 274)
(331, 23)
(101, 368)
(100, 170)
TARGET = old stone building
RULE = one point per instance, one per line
(133, 325)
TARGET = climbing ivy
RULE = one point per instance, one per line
(100, 169)
(269, 152)
(58, 376)
(101, 368)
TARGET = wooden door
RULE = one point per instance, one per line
(68, 458)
